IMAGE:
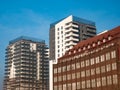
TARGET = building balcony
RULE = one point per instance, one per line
(70, 44)
(71, 30)
(71, 39)
(71, 25)
(71, 34)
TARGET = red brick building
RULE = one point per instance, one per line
(93, 64)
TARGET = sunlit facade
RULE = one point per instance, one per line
(92, 64)
(26, 65)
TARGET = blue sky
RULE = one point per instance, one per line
(33, 17)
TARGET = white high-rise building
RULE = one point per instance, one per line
(66, 33)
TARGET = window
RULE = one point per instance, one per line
(113, 54)
(55, 88)
(55, 79)
(73, 86)
(55, 70)
(68, 77)
(77, 65)
(104, 40)
(102, 69)
(78, 74)
(64, 68)
(73, 66)
(98, 82)
(115, 79)
(64, 77)
(82, 64)
(60, 78)
(108, 56)
(82, 73)
(93, 71)
(97, 59)
(109, 80)
(78, 85)
(98, 70)
(87, 72)
(64, 86)
(114, 66)
(102, 57)
(88, 83)
(60, 87)
(59, 70)
(92, 61)
(108, 67)
(93, 83)
(87, 63)
(83, 84)
(68, 67)
(103, 81)
(69, 87)
(73, 75)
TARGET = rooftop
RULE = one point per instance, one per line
(26, 38)
(76, 19)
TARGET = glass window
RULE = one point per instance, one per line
(92, 61)
(73, 86)
(108, 56)
(97, 59)
(93, 83)
(115, 79)
(113, 54)
(55, 88)
(55, 79)
(64, 86)
(55, 70)
(98, 82)
(78, 74)
(69, 87)
(108, 67)
(59, 70)
(87, 63)
(82, 64)
(68, 67)
(78, 85)
(73, 66)
(114, 66)
(102, 57)
(82, 73)
(98, 70)
(83, 84)
(93, 71)
(60, 78)
(77, 65)
(87, 72)
(103, 81)
(109, 80)
(64, 77)
(68, 77)
(102, 69)
(88, 83)
(73, 75)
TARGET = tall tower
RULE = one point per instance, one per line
(66, 33)
(26, 65)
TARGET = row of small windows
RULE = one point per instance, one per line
(87, 73)
(98, 82)
(87, 63)
(86, 53)
(93, 44)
